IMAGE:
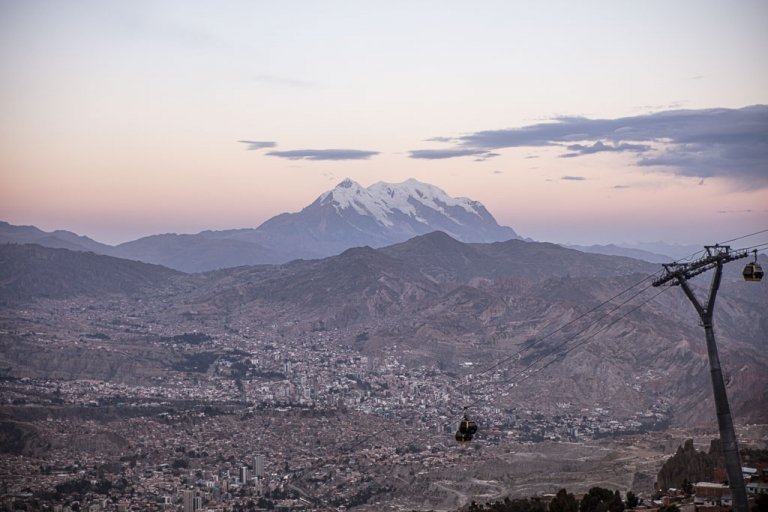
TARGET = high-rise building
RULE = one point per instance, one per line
(188, 500)
(258, 466)
(244, 474)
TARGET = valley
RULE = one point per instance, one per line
(348, 376)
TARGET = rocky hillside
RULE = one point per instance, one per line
(32, 271)
(526, 324)
(466, 306)
(686, 466)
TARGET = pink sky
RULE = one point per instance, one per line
(122, 119)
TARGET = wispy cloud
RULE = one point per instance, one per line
(324, 154)
(730, 143)
(600, 147)
(573, 178)
(439, 154)
(258, 144)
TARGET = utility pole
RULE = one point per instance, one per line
(679, 273)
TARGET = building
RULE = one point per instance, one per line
(258, 466)
(708, 496)
(188, 500)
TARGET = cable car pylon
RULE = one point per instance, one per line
(679, 273)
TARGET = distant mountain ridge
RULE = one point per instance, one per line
(347, 216)
(57, 239)
(31, 271)
(438, 299)
(615, 250)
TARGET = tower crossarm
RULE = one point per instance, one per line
(716, 255)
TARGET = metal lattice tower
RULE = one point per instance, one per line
(679, 274)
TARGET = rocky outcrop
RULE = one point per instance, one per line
(21, 439)
(687, 465)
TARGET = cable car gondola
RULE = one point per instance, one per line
(467, 429)
(753, 271)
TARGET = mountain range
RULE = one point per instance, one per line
(347, 216)
(438, 300)
(60, 239)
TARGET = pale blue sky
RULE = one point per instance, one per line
(120, 119)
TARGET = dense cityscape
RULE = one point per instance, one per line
(250, 416)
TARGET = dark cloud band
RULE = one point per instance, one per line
(600, 147)
(258, 144)
(324, 154)
(439, 154)
(730, 143)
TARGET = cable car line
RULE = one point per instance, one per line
(549, 335)
(755, 274)
(583, 315)
(596, 333)
(697, 254)
(577, 319)
(553, 350)
(753, 247)
(461, 434)
(745, 236)
(524, 374)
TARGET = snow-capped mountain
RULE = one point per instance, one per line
(347, 216)
(385, 213)
(387, 201)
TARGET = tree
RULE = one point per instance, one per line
(180, 463)
(632, 500)
(598, 500)
(265, 503)
(474, 507)
(616, 505)
(564, 502)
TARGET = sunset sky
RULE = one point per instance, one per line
(577, 122)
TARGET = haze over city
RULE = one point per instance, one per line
(588, 122)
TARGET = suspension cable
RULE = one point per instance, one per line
(549, 335)
(745, 236)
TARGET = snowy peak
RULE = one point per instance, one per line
(347, 183)
(347, 216)
(387, 213)
(424, 193)
(384, 202)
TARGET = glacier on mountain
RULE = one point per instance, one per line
(381, 199)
